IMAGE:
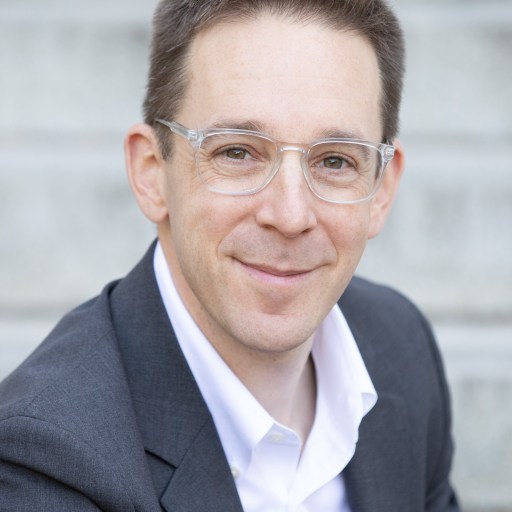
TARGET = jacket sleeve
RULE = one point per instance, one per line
(48, 469)
(440, 495)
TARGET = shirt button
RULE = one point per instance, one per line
(235, 472)
(277, 437)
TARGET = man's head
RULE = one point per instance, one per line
(177, 22)
(259, 272)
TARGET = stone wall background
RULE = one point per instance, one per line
(72, 78)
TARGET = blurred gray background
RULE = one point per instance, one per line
(72, 79)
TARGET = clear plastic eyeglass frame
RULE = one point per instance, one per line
(197, 137)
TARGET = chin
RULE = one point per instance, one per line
(277, 339)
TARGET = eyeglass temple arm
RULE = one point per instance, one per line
(179, 129)
(388, 152)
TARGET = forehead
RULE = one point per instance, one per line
(284, 75)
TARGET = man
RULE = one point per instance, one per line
(220, 374)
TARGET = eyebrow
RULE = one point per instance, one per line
(250, 125)
(334, 133)
(257, 126)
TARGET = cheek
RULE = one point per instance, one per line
(200, 221)
(197, 237)
(182, 181)
(349, 228)
(185, 199)
(349, 235)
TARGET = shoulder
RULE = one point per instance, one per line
(377, 311)
(67, 423)
(79, 369)
(79, 337)
(71, 381)
(395, 339)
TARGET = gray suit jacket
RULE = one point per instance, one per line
(106, 415)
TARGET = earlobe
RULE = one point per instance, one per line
(383, 200)
(144, 166)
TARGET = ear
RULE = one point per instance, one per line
(385, 196)
(145, 169)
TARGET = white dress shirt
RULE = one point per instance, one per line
(273, 472)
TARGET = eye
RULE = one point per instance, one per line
(237, 153)
(333, 162)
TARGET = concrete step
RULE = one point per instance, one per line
(113, 12)
(78, 77)
(89, 72)
(478, 359)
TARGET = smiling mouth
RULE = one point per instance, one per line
(277, 272)
(275, 275)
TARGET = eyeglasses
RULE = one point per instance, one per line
(243, 162)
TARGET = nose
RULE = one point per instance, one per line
(287, 204)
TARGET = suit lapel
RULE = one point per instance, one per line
(203, 480)
(378, 476)
(185, 455)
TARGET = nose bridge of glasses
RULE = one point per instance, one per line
(292, 165)
(283, 148)
(292, 147)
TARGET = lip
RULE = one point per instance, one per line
(273, 275)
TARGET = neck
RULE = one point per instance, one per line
(284, 384)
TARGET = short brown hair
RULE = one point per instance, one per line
(177, 22)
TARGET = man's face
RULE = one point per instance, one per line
(260, 272)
